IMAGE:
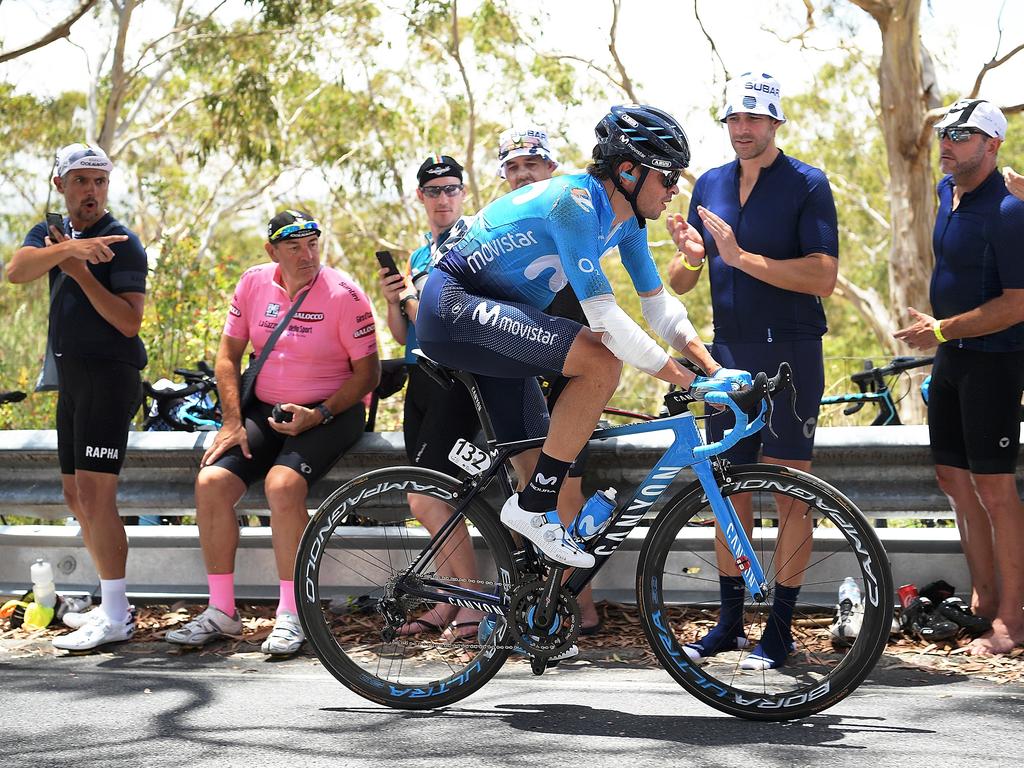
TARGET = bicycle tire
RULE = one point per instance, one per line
(671, 574)
(360, 539)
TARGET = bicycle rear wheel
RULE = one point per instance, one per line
(355, 548)
(677, 591)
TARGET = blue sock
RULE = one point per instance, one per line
(777, 638)
(730, 618)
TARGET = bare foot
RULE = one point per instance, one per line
(998, 641)
(588, 613)
(434, 620)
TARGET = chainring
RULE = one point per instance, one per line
(525, 598)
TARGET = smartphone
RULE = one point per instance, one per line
(54, 220)
(386, 260)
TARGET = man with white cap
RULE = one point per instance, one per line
(97, 273)
(977, 297)
(766, 226)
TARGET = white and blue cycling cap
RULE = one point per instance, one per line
(755, 93)
(76, 156)
(523, 141)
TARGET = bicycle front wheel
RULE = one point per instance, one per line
(678, 594)
(378, 628)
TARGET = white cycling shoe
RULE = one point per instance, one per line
(545, 532)
(287, 636)
(97, 630)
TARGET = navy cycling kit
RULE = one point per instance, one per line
(99, 387)
(482, 306)
(789, 214)
(977, 383)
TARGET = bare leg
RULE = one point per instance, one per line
(217, 492)
(998, 494)
(92, 498)
(455, 559)
(793, 545)
(975, 536)
(594, 374)
(286, 491)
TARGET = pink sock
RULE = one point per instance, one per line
(222, 591)
(287, 602)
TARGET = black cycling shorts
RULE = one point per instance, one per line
(794, 437)
(974, 409)
(96, 401)
(434, 418)
(311, 453)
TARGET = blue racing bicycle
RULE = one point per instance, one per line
(402, 575)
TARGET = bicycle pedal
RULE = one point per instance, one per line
(537, 666)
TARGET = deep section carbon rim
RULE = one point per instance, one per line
(358, 606)
(678, 590)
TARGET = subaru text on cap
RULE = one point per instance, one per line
(975, 113)
(437, 167)
(78, 156)
(755, 93)
(523, 141)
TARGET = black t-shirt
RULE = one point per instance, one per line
(76, 328)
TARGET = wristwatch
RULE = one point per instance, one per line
(405, 300)
(326, 413)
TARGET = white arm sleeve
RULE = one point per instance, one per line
(626, 340)
(667, 316)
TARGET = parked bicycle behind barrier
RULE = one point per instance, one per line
(876, 386)
(399, 569)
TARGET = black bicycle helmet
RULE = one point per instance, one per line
(646, 135)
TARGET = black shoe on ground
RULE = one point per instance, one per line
(921, 620)
(954, 609)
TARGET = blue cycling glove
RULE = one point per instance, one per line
(724, 380)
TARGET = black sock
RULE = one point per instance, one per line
(778, 635)
(541, 493)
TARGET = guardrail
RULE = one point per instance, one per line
(887, 471)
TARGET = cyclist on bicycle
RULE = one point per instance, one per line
(481, 306)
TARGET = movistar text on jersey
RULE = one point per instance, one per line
(492, 316)
(488, 251)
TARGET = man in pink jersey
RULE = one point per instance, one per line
(321, 371)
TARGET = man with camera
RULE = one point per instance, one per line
(306, 408)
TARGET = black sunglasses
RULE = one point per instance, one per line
(450, 190)
(957, 135)
(668, 178)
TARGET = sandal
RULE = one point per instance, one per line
(454, 630)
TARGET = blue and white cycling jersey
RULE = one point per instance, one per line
(527, 245)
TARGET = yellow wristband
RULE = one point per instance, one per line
(686, 264)
(937, 329)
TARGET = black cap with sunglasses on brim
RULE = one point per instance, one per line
(438, 167)
(289, 224)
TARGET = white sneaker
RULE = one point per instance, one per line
(847, 623)
(286, 638)
(546, 532)
(98, 630)
(209, 625)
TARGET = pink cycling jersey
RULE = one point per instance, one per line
(313, 357)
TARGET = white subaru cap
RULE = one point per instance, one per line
(755, 93)
(75, 156)
(975, 113)
(521, 141)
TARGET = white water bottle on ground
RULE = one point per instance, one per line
(849, 590)
(43, 590)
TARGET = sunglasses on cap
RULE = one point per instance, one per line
(296, 229)
(450, 190)
(957, 135)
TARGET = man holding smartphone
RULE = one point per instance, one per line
(97, 274)
(434, 418)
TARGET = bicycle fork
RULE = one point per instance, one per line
(732, 531)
